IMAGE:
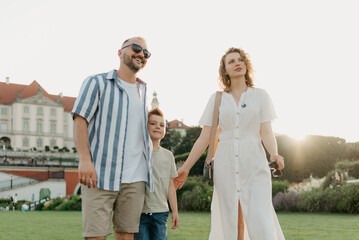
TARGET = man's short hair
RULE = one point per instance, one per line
(140, 38)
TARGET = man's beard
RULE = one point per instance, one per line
(129, 63)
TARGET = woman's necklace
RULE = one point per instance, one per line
(244, 99)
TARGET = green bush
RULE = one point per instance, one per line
(40, 206)
(53, 204)
(279, 186)
(311, 201)
(181, 157)
(5, 202)
(334, 179)
(343, 199)
(73, 203)
(66, 206)
(351, 166)
(197, 169)
(195, 195)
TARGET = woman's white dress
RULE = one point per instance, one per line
(241, 168)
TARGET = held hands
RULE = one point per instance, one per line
(182, 176)
(87, 173)
(279, 159)
(175, 220)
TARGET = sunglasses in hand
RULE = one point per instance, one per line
(137, 49)
(274, 168)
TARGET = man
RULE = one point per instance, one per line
(110, 133)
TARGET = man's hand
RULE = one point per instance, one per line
(182, 176)
(175, 220)
(87, 174)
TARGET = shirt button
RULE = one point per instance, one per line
(236, 155)
(238, 190)
(237, 172)
(237, 138)
(237, 113)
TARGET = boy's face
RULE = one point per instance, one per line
(156, 127)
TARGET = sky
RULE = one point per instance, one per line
(305, 53)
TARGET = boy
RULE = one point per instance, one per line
(153, 223)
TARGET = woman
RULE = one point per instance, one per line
(242, 197)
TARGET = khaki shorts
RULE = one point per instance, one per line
(98, 204)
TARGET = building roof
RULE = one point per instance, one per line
(10, 91)
(176, 124)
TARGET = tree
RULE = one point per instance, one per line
(188, 140)
(171, 140)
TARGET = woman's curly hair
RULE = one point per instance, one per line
(224, 80)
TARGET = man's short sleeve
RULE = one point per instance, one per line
(87, 100)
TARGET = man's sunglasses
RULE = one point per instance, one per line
(274, 168)
(137, 49)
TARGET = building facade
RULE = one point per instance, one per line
(30, 117)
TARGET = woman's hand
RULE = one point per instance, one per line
(182, 176)
(279, 159)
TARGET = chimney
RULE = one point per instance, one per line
(7, 80)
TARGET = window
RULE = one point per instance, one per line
(39, 111)
(26, 109)
(3, 126)
(52, 143)
(25, 142)
(39, 127)
(25, 125)
(39, 143)
(53, 127)
(53, 112)
(3, 111)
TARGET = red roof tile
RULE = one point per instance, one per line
(175, 124)
(9, 92)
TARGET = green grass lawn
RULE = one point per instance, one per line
(44, 225)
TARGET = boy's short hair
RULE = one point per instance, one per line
(155, 111)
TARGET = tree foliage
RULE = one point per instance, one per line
(314, 156)
(171, 140)
(188, 140)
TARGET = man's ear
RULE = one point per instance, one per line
(119, 52)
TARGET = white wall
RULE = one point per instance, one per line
(57, 188)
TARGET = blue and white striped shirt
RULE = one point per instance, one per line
(104, 103)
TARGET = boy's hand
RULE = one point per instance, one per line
(175, 220)
(182, 176)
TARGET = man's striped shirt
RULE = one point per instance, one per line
(104, 103)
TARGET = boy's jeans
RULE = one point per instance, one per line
(153, 226)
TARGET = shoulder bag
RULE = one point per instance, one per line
(209, 163)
